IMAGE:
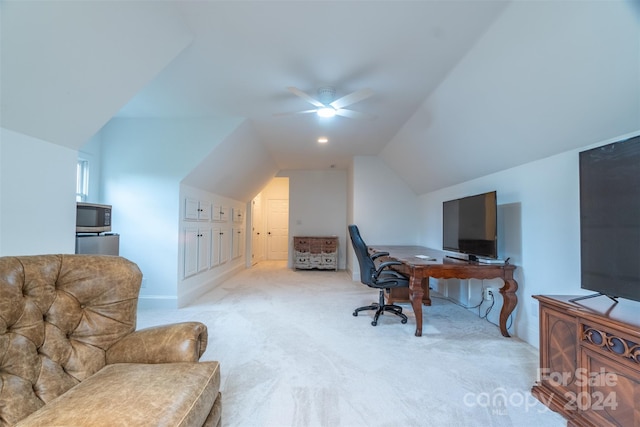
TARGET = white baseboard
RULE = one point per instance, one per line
(152, 302)
(193, 294)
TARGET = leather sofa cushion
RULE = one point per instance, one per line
(131, 394)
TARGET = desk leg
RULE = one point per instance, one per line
(415, 295)
(510, 298)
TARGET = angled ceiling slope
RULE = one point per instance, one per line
(69, 66)
(219, 171)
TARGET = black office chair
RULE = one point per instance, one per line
(380, 277)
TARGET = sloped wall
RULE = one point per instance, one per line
(546, 75)
(69, 66)
(238, 167)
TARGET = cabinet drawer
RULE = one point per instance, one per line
(302, 260)
(329, 259)
(329, 245)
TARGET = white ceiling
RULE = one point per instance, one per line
(245, 54)
(462, 88)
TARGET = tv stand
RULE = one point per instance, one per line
(589, 360)
(597, 294)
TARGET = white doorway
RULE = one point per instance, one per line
(277, 229)
(270, 222)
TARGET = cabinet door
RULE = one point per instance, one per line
(238, 215)
(215, 246)
(237, 247)
(204, 249)
(609, 395)
(204, 210)
(191, 207)
(225, 245)
(197, 210)
(220, 213)
(215, 212)
(190, 251)
(224, 213)
(559, 355)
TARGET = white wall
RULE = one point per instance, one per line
(539, 229)
(318, 206)
(385, 209)
(37, 196)
(144, 161)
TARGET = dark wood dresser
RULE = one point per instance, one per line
(590, 360)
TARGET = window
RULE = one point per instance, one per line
(82, 180)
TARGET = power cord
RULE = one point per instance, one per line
(486, 313)
(478, 306)
(488, 310)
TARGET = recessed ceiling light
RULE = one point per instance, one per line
(323, 140)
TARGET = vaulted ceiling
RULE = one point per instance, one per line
(70, 67)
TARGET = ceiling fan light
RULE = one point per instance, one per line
(326, 112)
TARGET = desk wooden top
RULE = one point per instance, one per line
(414, 255)
(420, 255)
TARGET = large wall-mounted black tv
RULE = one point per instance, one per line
(610, 219)
(469, 226)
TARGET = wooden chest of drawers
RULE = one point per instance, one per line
(319, 252)
(590, 360)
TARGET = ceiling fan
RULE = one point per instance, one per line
(327, 106)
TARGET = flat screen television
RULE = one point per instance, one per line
(469, 226)
(610, 219)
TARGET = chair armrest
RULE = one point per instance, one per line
(177, 342)
(379, 254)
(384, 265)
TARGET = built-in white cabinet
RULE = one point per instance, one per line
(197, 250)
(213, 234)
(238, 215)
(237, 244)
(220, 213)
(197, 210)
(221, 245)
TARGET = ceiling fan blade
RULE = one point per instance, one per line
(305, 96)
(354, 114)
(292, 113)
(352, 98)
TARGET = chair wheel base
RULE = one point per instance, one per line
(380, 309)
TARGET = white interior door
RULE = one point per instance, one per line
(257, 231)
(277, 229)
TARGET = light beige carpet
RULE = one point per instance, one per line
(292, 354)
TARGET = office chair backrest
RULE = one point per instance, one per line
(367, 267)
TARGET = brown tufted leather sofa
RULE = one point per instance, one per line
(70, 354)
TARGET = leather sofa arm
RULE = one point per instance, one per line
(177, 342)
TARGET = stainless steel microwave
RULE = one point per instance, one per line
(93, 218)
